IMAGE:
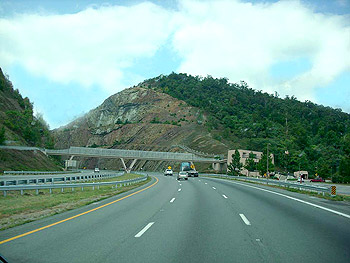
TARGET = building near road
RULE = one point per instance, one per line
(244, 154)
(303, 174)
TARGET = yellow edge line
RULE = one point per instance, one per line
(70, 218)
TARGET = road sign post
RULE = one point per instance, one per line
(333, 190)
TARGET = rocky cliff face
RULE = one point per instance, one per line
(139, 118)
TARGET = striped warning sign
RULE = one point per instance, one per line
(333, 190)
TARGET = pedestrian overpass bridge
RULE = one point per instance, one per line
(131, 154)
(124, 154)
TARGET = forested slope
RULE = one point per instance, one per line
(18, 126)
(299, 133)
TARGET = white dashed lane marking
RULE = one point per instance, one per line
(139, 234)
(245, 220)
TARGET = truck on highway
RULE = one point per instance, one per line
(189, 168)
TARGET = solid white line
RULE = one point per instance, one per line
(296, 199)
(205, 183)
(180, 184)
(245, 220)
(179, 190)
(214, 188)
(225, 196)
(172, 200)
(144, 229)
(199, 180)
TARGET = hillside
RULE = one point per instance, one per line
(211, 115)
(18, 126)
(315, 137)
(143, 119)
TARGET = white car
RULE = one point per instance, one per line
(168, 172)
(182, 175)
(97, 170)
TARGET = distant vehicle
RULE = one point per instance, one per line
(189, 168)
(320, 179)
(168, 172)
(182, 175)
(97, 170)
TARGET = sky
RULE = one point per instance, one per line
(69, 56)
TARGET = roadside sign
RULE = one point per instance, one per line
(333, 190)
(169, 167)
(192, 166)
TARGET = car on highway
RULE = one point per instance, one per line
(97, 170)
(168, 172)
(189, 168)
(319, 179)
(182, 175)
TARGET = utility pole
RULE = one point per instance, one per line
(267, 160)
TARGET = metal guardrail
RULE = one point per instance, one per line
(286, 184)
(52, 179)
(38, 172)
(38, 187)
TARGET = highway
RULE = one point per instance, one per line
(199, 220)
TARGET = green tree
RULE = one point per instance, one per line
(236, 165)
(262, 164)
(2, 135)
(344, 165)
(250, 163)
(344, 169)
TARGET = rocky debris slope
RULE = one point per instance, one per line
(143, 119)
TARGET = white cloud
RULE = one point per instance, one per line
(242, 41)
(90, 47)
(222, 38)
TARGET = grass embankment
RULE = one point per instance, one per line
(17, 209)
(13, 160)
(295, 190)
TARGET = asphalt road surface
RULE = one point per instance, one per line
(199, 220)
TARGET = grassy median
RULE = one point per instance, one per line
(17, 209)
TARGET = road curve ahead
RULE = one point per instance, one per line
(199, 220)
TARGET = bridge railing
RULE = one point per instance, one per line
(119, 153)
(133, 154)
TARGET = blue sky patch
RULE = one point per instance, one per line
(58, 102)
(336, 94)
(289, 69)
